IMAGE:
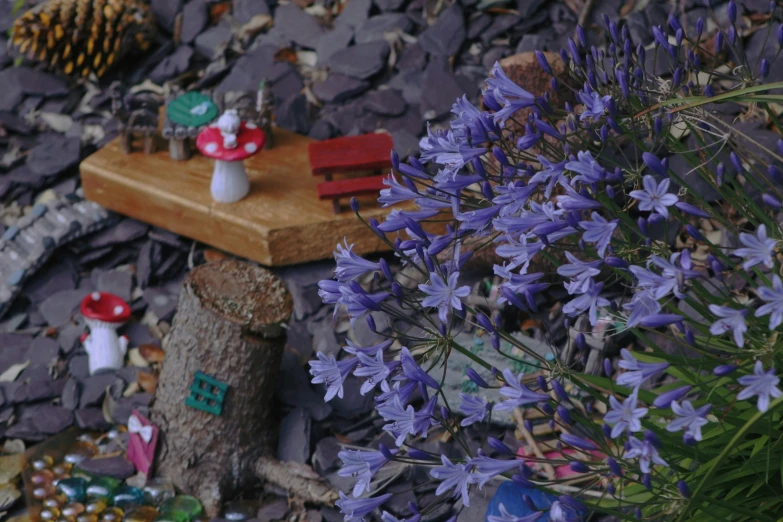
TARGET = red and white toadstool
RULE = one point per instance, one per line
(229, 142)
(104, 313)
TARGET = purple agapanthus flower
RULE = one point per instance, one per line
(625, 416)
(659, 285)
(362, 464)
(357, 302)
(354, 348)
(586, 168)
(731, 320)
(471, 124)
(349, 265)
(643, 304)
(508, 94)
(572, 200)
(454, 476)
(517, 394)
(355, 509)
(405, 420)
(759, 249)
(559, 512)
(474, 407)
(332, 373)
(505, 516)
(414, 372)
(579, 271)
(689, 419)
(774, 298)
(388, 517)
(373, 369)
(444, 149)
(513, 197)
(487, 468)
(590, 302)
(523, 284)
(645, 451)
(636, 372)
(762, 384)
(595, 104)
(396, 193)
(444, 295)
(552, 174)
(599, 231)
(395, 220)
(655, 196)
(479, 219)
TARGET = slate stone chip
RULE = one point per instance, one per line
(210, 40)
(69, 398)
(54, 156)
(335, 40)
(91, 419)
(375, 28)
(58, 308)
(360, 61)
(299, 26)
(50, 419)
(338, 87)
(292, 114)
(43, 350)
(94, 388)
(194, 20)
(447, 34)
(354, 13)
(123, 232)
(165, 11)
(117, 467)
(20, 81)
(325, 457)
(117, 282)
(385, 102)
(258, 64)
(173, 65)
(439, 89)
(294, 444)
(245, 10)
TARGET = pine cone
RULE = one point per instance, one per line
(77, 37)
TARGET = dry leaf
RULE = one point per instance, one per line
(9, 494)
(13, 372)
(108, 406)
(216, 11)
(136, 359)
(131, 389)
(286, 55)
(57, 122)
(211, 255)
(10, 467)
(151, 353)
(14, 447)
(147, 381)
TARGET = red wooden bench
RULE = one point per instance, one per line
(369, 152)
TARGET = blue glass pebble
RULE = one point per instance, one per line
(16, 277)
(510, 495)
(39, 210)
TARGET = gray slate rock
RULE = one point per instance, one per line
(165, 11)
(79, 366)
(258, 64)
(447, 34)
(91, 419)
(338, 87)
(274, 510)
(386, 102)
(117, 282)
(294, 442)
(69, 398)
(412, 58)
(299, 26)
(292, 114)
(19, 82)
(244, 10)
(43, 350)
(360, 61)
(354, 14)
(94, 388)
(59, 307)
(405, 143)
(173, 65)
(335, 40)
(210, 40)
(375, 28)
(161, 303)
(117, 467)
(54, 156)
(439, 89)
(325, 457)
(294, 389)
(389, 5)
(194, 20)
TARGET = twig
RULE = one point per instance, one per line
(548, 468)
(298, 479)
(585, 12)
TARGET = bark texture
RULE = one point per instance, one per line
(229, 325)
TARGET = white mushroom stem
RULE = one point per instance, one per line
(229, 181)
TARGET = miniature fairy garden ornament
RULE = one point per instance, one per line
(229, 142)
(186, 115)
(104, 313)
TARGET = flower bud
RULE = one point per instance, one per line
(564, 414)
(444, 413)
(494, 339)
(546, 408)
(578, 467)
(610, 489)
(370, 323)
(607, 430)
(614, 467)
(498, 446)
(544, 63)
(691, 210)
(642, 225)
(559, 390)
(647, 481)
(395, 160)
(724, 369)
(699, 27)
(764, 66)
(476, 378)
(771, 201)
(385, 451)
(542, 383)
(683, 487)
(418, 454)
(615, 262)
(773, 171)
(577, 442)
(665, 399)
(709, 92)
(522, 481)
(652, 438)
(732, 11)
(607, 367)
(528, 425)
(581, 36)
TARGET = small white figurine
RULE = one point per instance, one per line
(104, 313)
(229, 142)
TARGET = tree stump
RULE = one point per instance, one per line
(229, 325)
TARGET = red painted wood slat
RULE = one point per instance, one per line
(351, 153)
(344, 188)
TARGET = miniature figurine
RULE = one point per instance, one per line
(142, 442)
(186, 116)
(264, 106)
(104, 313)
(137, 114)
(229, 142)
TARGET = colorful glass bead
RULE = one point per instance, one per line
(102, 488)
(42, 492)
(81, 451)
(42, 477)
(42, 462)
(66, 519)
(54, 501)
(75, 488)
(62, 469)
(239, 510)
(190, 506)
(97, 507)
(112, 514)
(78, 472)
(128, 497)
(141, 514)
(50, 514)
(172, 516)
(74, 509)
(87, 517)
(157, 491)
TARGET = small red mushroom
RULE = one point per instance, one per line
(229, 142)
(105, 308)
